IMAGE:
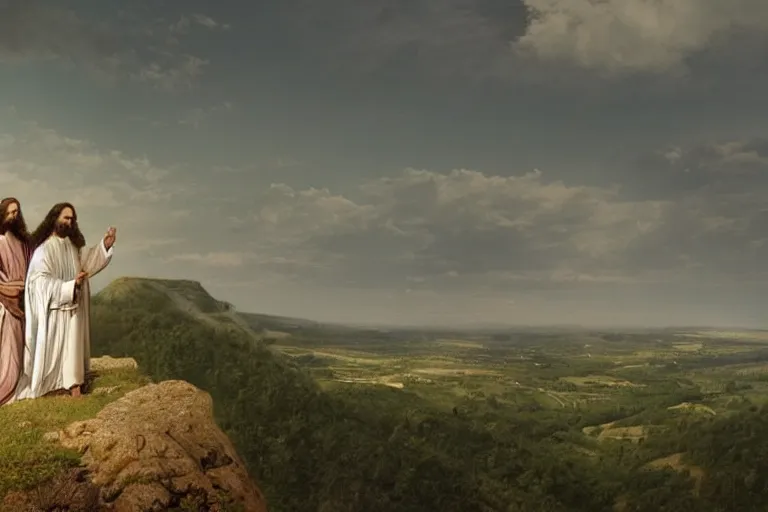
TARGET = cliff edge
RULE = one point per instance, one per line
(156, 447)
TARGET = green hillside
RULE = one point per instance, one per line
(523, 424)
(352, 450)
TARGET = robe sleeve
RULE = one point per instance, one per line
(94, 259)
(7, 288)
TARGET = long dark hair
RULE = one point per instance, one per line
(19, 227)
(48, 226)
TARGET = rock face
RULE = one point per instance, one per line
(158, 448)
(111, 363)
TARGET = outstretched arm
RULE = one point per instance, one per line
(94, 259)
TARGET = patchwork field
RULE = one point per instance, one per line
(553, 370)
(609, 394)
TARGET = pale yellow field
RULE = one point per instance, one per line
(608, 431)
(688, 347)
(634, 434)
(390, 381)
(693, 408)
(734, 335)
(600, 380)
(353, 357)
(454, 371)
(459, 344)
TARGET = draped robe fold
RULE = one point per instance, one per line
(14, 259)
(57, 336)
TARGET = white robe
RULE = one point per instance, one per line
(57, 335)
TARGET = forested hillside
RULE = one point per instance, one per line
(379, 448)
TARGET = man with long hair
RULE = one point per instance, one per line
(14, 259)
(57, 302)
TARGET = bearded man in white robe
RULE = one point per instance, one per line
(57, 300)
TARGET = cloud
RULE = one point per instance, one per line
(724, 167)
(197, 116)
(185, 23)
(213, 259)
(30, 29)
(126, 48)
(181, 73)
(466, 230)
(636, 35)
(444, 37)
(529, 40)
(717, 215)
(192, 117)
(700, 218)
(41, 167)
(419, 242)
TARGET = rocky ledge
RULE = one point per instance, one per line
(156, 448)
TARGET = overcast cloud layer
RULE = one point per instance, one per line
(460, 162)
(637, 35)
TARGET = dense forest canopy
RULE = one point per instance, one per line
(315, 442)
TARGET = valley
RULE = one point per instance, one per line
(630, 396)
(345, 419)
(558, 372)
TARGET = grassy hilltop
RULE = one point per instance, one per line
(332, 418)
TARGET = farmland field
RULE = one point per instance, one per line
(581, 370)
(627, 399)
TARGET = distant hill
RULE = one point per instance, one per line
(261, 321)
(190, 297)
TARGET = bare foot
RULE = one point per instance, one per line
(75, 391)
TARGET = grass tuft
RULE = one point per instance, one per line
(27, 459)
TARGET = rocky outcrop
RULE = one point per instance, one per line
(156, 448)
(106, 363)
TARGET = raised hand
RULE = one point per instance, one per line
(110, 237)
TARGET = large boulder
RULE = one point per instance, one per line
(156, 448)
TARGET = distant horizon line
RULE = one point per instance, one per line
(511, 326)
(496, 326)
(463, 326)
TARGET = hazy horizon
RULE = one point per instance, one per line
(536, 162)
(469, 326)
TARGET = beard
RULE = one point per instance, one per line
(64, 230)
(71, 232)
(17, 227)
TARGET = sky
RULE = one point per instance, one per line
(419, 162)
